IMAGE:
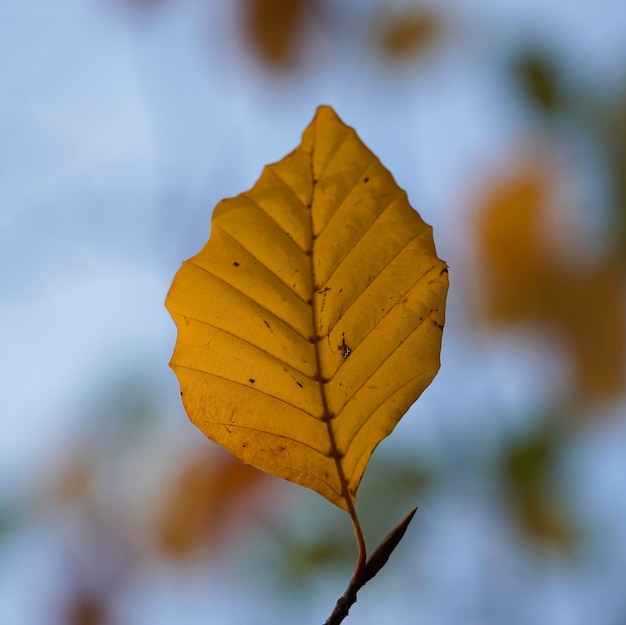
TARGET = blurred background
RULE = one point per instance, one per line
(123, 122)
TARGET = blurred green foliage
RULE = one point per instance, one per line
(539, 81)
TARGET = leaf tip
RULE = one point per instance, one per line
(325, 112)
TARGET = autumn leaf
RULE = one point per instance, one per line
(527, 281)
(312, 318)
(311, 321)
(86, 609)
(204, 501)
(275, 29)
(409, 33)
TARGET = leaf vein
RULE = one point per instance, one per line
(252, 388)
(285, 232)
(367, 286)
(361, 237)
(382, 319)
(261, 263)
(384, 360)
(250, 343)
(258, 430)
(345, 197)
(332, 155)
(369, 416)
(250, 299)
(288, 186)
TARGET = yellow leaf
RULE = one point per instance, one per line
(312, 318)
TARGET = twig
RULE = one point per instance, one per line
(372, 566)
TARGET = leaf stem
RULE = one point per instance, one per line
(368, 569)
(360, 539)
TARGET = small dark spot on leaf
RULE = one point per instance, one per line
(366, 179)
(343, 348)
(251, 380)
(444, 270)
(265, 322)
(181, 393)
(438, 325)
(299, 384)
(244, 445)
(236, 264)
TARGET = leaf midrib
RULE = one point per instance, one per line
(327, 416)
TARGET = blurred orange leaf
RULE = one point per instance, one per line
(410, 33)
(87, 609)
(312, 318)
(526, 280)
(274, 28)
(204, 501)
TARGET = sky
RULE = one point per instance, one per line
(120, 129)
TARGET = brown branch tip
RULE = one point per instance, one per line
(373, 565)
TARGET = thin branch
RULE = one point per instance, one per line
(365, 572)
